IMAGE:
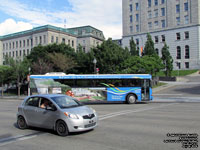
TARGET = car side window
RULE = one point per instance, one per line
(33, 101)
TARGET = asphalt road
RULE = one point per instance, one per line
(143, 126)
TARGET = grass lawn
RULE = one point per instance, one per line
(176, 73)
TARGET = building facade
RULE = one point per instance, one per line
(18, 45)
(176, 22)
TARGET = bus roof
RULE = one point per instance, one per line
(93, 76)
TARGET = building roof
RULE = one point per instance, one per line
(84, 31)
(77, 31)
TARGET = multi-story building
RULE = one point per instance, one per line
(20, 44)
(88, 37)
(176, 22)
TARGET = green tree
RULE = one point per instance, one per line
(149, 46)
(133, 48)
(20, 70)
(109, 56)
(167, 60)
(5, 73)
(40, 57)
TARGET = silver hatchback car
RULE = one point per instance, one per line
(61, 113)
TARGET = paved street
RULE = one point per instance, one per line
(121, 126)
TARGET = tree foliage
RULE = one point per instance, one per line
(149, 46)
(167, 60)
(109, 56)
(133, 48)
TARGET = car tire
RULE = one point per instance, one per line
(131, 99)
(21, 123)
(61, 128)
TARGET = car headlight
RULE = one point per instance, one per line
(72, 116)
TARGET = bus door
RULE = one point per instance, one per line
(146, 89)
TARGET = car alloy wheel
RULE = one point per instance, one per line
(21, 123)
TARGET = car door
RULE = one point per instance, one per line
(45, 117)
(30, 110)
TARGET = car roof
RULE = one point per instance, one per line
(47, 95)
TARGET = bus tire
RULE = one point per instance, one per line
(131, 99)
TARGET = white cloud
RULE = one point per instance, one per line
(10, 26)
(105, 15)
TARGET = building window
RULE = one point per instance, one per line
(27, 51)
(163, 38)
(40, 39)
(186, 19)
(163, 23)
(131, 7)
(156, 24)
(187, 65)
(3, 46)
(137, 6)
(56, 40)
(149, 3)
(137, 42)
(157, 51)
(9, 45)
(162, 1)
(187, 35)
(31, 42)
(6, 46)
(52, 39)
(27, 42)
(177, 8)
(149, 14)
(24, 52)
(131, 29)
(163, 11)
(178, 49)
(24, 43)
(137, 17)
(13, 54)
(63, 40)
(16, 53)
(131, 18)
(36, 40)
(187, 52)
(178, 36)
(186, 6)
(155, 2)
(20, 53)
(68, 42)
(156, 12)
(13, 45)
(137, 28)
(72, 43)
(20, 43)
(44, 37)
(156, 39)
(178, 21)
(150, 25)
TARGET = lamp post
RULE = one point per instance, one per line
(95, 62)
(28, 78)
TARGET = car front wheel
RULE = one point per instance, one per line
(21, 123)
(61, 128)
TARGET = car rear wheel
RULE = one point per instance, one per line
(61, 128)
(131, 99)
(21, 123)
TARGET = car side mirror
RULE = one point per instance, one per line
(52, 108)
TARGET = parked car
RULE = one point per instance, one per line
(61, 113)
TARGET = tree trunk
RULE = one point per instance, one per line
(18, 86)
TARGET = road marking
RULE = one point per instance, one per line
(168, 94)
(103, 117)
(12, 139)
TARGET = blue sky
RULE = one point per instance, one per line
(19, 15)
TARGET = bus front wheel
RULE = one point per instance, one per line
(131, 99)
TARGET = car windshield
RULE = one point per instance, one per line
(66, 102)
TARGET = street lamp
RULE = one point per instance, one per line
(95, 62)
(28, 78)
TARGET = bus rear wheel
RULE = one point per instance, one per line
(131, 99)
